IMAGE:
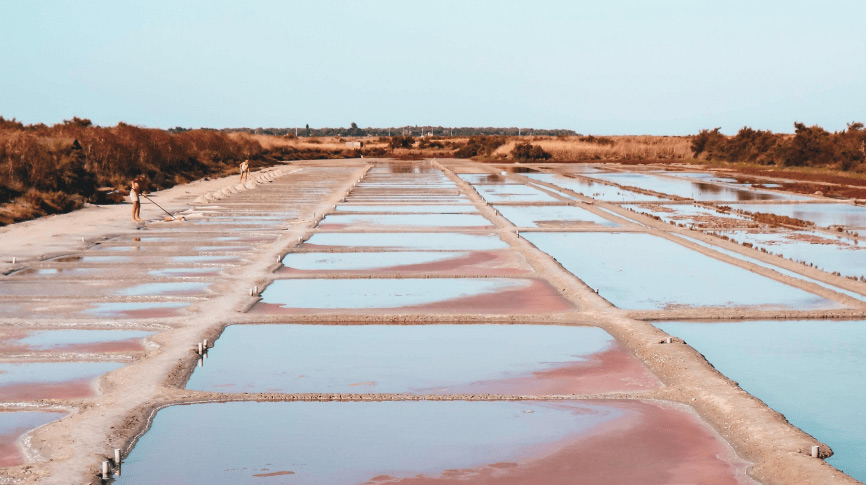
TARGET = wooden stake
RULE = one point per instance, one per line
(815, 451)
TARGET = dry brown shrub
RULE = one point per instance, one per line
(622, 148)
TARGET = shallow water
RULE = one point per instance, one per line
(207, 258)
(513, 193)
(822, 215)
(164, 288)
(147, 309)
(69, 340)
(413, 220)
(645, 272)
(692, 189)
(15, 423)
(388, 358)
(551, 215)
(181, 272)
(813, 372)
(15, 375)
(431, 241)
(359, 261)
(489, 178)
(595, 190)
(687, 214)
(774, 268)
(400, 439)
(830, 254)
(418, 209)
(379, 293)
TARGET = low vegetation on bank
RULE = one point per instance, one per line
(53, 169)
(809, 146)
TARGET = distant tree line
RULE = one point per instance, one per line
(354, 130)
(808, 146)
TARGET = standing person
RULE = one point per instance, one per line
(135, 190)
(245, 170)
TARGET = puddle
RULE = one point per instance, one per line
(595, 190)
(157, 309)
(823, 215)
(825, 252)
(416, 209)
(435, 295)
(418, 442)
(688, 189)
(645, 272)
(13, 424)
(160, 289)
(83, 341)
(813, 372)
(335, 221)
(420, 359)
(482, 263)
(416, 240)
(513, 193)
(50, 380)
(551, 216)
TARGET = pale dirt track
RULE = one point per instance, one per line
(70, 450)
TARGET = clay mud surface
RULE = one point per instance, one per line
(679, 420)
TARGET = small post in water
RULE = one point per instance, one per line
(105, 470)
(199, 349)
(204, 343)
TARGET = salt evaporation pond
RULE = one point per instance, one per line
(50, 380)
(412, 220)
(15, 423)
(847, 256)
(360, 261)
(462, 295)
(457, 441)
(813, 372)
(690, 214)
(396, 240)
(488, 178)
(645, 272)
(136, 309)
(692, 189)
(164, 288)
(595, 190)
(416, 209)
(513, 193)
(20, 340)
(551, 215)
(822, 215)
(424, 359)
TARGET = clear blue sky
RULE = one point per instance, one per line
(603, 67)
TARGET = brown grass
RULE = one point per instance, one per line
(623, 148)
